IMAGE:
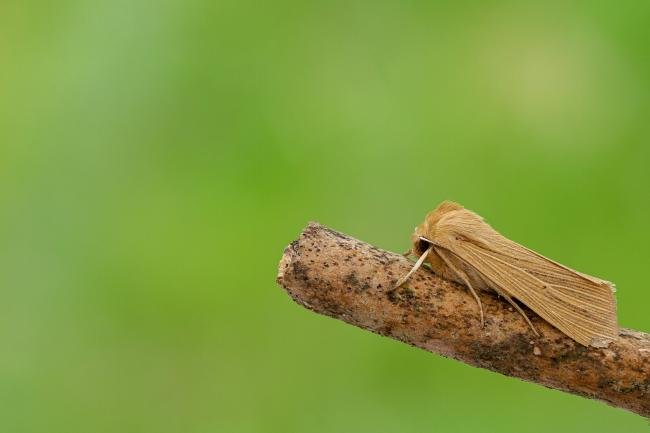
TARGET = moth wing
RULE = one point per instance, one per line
(581, 306)
(572, 273)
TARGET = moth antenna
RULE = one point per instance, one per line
(415, 267)
(463, 276)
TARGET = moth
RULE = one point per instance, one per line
(459, 245)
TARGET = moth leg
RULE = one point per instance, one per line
(415, 267)
(463, 276)
(500, 294)
(518, 308)
(408, 253)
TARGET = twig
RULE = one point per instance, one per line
(336, 275)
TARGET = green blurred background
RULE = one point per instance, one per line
(156, 158)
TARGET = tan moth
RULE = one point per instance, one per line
(460, 246)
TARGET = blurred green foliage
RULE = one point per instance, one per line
(156, 157)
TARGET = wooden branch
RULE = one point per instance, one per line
(336, 275)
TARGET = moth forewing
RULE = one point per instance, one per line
(581, 311)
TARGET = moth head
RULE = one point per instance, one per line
(427, 230)
(418, 238)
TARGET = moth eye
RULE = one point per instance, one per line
(422, 246)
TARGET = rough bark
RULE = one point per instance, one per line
(338, 276)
